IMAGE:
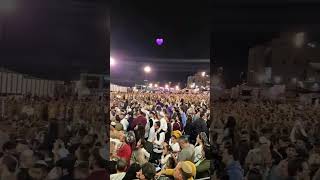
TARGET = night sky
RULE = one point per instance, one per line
(237, 27)
(56, 39)
(136, 24)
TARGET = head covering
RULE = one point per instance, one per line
(119, 127)
(130, 137)
(177, 134)
(189, 168)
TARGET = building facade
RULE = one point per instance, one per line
(288, 60)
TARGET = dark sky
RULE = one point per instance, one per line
(56, 39)
(236, 27)
(136, 24)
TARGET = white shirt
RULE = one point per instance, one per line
(125, 123)
(164, 160)
(175, 147)
(118, 176)
(163, 124)
(161, 138)
(151, 134)
(197, 153)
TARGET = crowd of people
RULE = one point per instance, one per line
(159, 136)
(265, 140)
(60, 138)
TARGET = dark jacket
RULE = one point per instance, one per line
(197, 127)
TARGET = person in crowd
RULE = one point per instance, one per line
(121, 170)
(166, 155)
(166, 116)
(139, 151)
(298, 170)
(233, 169)
(183, 170)
(202, 142)
(174, 141)
(187, 152)
(147, 172)
(124, 150)
(8, 167)
(158, 141)
(198, 125)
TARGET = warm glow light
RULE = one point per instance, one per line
(167, 86)
(147, 69)
(203, 74)
(156, 85)
(112, 61)
(177, 88)
(150, 85)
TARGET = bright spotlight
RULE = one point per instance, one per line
(203, 74)
(147, 69)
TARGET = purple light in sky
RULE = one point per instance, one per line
(159, 41)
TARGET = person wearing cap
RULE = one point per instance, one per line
(175, 135)
(183, 170)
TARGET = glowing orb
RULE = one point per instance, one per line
(159, 41)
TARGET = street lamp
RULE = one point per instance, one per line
(147, 69)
